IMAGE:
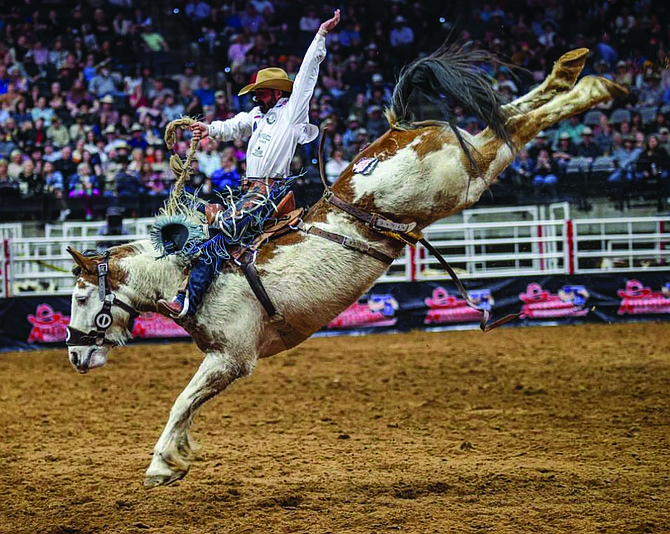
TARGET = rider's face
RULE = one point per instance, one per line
(267, 98)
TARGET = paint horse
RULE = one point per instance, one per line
(417, 173)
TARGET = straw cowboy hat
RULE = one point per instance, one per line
(270, 78)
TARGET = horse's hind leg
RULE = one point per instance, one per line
(589, 91)
(562, 78)
(172, 454)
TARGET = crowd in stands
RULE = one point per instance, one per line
(87, 88)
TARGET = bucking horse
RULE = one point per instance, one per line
(413, 175)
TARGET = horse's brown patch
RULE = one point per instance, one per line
(433, 142)
(116, 276)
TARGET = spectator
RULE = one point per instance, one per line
(401, 40)
(137, 139)
(376, 123)
(522, 170)
(41, 111)
(227, 176)
(603, 135)
(664, 139)
(207, 156)
(572, 127)
(104, 82)
(15, 166)
(21, 114)
(197, 11)
(587, 148)
(52, 181)
(8, 186)
(545, 174)
(156, 48)
(78, 129)
(83, 184)
(238, 50)
(652, 162)
(539, 144)
(564, 152)
(57, 133)
(66, 166)
(30, 182)
(127, 183)
(623, 75)
(335, 165)
(251, 20)
(205, 92)
(152, 181)
(623, 158)
(108, 115)
(112, 141)
(162, 169)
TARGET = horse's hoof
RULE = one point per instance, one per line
(153, 481)
(604, 89)
(568, 67)
(577, 55)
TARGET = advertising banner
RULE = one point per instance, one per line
(34, 322)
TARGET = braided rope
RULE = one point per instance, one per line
(181, 169)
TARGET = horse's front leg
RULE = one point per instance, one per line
(173, 452)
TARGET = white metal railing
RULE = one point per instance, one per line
(480, 243)
(485, 250)
(621, 244)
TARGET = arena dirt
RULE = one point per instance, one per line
(545, 430)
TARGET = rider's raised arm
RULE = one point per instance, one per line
(308, 74)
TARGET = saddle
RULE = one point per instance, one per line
(279, 223)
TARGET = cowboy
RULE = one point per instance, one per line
(275, 127)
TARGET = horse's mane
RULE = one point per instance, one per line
(126, 249)
(451, 76)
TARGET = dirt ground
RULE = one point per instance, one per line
(547, 430)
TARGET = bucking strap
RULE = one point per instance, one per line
(345, 241)
(372, 220)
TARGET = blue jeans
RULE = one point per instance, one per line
(200, 278)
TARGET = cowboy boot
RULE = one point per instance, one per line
(178, 306)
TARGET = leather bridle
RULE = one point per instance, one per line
(103, 319)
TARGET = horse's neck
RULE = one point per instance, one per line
(149, 279)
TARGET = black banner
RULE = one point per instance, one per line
(34, 322)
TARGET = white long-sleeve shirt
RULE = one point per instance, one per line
(274, 136)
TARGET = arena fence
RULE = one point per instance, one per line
(479, 244)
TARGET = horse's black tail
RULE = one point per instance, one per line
(451, 77)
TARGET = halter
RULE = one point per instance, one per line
(103, 319)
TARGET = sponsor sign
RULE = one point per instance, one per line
(33, 322)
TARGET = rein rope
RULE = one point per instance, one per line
(407, 234)
(181, 169)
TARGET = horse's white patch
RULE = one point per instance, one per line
(406, 184)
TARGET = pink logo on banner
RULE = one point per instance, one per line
(570, 301)
(151, 325)
(637, 299)
(49, 326)
(446, 308)
(379, 310)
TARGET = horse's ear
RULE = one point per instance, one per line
(87, 264)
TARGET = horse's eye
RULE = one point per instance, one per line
(82, 300)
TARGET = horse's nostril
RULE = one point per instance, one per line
(74, 358)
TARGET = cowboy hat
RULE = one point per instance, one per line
(270, 78)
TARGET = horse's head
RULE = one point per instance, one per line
(101, 315)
